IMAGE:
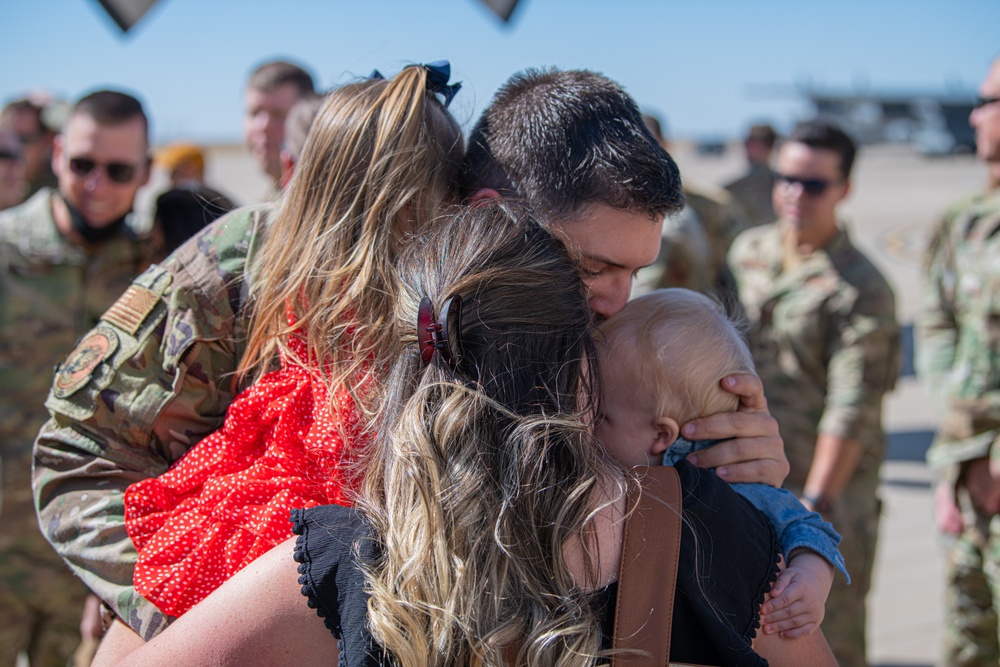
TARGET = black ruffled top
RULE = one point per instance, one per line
(728, 561)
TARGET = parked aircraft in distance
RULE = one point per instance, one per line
(935, 122)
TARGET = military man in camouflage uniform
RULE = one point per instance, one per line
(165, 356)
(158, 372)
(959, 356)
(27, 117)
(826, 344)
(65, 256)
(691, 258)
(752, 190)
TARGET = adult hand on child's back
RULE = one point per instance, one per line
(752, 450)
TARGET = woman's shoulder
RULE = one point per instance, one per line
(331, 540)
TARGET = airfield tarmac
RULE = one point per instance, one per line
(897, 196)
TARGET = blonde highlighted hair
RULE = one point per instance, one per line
(483, 468)
(380, 159)
(683, 344)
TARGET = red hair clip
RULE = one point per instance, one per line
(434, 334)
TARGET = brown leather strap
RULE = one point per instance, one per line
(648, 575)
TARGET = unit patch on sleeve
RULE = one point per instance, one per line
(95, 347)
(131, 308)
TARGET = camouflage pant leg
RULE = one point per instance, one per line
(844, 624)
(973, 586)
(46, 625)
(41, 600)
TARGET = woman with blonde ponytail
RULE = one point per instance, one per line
(380, 160)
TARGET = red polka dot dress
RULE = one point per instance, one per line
(227, 501)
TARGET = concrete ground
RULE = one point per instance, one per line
(897, 196)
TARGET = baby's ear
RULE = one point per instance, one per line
(666, 432)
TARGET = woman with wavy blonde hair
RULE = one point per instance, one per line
(381, 158)
(487, 530)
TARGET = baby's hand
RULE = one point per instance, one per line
(796, 604)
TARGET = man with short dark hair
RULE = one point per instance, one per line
(959, 352)
(65, 256)
(574, 145)
(753, 190)
(825, 341)
(273, 89)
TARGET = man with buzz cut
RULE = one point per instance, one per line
(573, 144)
(825, 341)
(273, 89)
(66, 254)
(189, 332)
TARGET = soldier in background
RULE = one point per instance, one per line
(959, 357)
(65, 256)
(826, 344)
(681, 259)
(35, 120)
(297, 125)
(12, 183)
(753, 190)
(272, 91)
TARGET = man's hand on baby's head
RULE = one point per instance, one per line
(752, 450)
(750, 390)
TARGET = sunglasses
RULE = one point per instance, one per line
(983, 101)
(813, 187)
(118, 172)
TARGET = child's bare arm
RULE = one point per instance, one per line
(795, 607)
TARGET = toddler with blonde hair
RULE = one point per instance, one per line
(662, 360)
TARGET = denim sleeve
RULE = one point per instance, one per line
(796, 526)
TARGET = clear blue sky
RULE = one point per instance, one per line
(694, 61)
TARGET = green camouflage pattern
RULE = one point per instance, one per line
(694, 245)
(163, 388)
(958, 354)
(825, 340)
(958, 357)
(752, 192)
(973, 583)
(721, 218)
(51, 292)
(685, 257)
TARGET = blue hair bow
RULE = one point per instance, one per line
(438, 73)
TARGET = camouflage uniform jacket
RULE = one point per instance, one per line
(721, 217)
(959, 329)
(684, 259)
(154, 377)
(825, 341)
(753, 191)
(51, 292)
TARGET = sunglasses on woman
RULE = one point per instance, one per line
(118, 172)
